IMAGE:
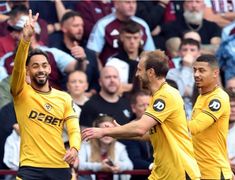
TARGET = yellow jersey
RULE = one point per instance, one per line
(173, 149)
(41, 118)
(209, 128)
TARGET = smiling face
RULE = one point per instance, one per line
(205, 75)
(38, 70)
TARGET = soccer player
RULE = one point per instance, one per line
(210, 119)
(42, 113)
(164, 120)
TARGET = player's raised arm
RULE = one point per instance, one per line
(19, 70)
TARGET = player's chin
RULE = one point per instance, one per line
(198, 84)
(41, 81)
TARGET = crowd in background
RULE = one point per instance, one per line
(94, 48)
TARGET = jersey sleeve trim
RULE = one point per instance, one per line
(70, 117)
(209, 114)
(155, 118)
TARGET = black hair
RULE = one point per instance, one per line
(209, 58)
(36, 52)
(130, 26)
(17, 9)
(68, 15)
(189, 41)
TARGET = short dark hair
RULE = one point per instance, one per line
(34, 52)
(68, 15)
(189, 41)
(130, 26)
(138, 93)
(209, 58)
(18, 9)
(157, 60)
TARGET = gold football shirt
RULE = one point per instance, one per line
(173, 149)
(209, 128)
(41, 118)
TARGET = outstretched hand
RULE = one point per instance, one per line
(28, 30)
(91, 133)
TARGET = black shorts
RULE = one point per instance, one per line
(35, 173)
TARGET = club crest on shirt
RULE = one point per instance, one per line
(47, 107)
(159, 105)
(214, 105)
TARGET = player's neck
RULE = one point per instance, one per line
(208, 89)
(157, 84)
(45, 88)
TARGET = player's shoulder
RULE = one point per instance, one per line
(167, 95)
(220, 94)
(217, 99)
(169, 91)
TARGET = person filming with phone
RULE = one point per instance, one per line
(104, 154)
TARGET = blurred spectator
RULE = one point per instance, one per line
(92, 11)
(12, 149)
(183, 73)
(192, 19)
(8, 5)
(77, 85)
(104, 36)
(7, 119)
(61, 63)
(105, 154)
(70, 41)
(221, 12)
(230, 84)
(228, 30)
(156, 13)
(9, 42)
(51, 12)
(126, 60)
(5, 95)
(226, 58)
(231, 133)
(107, 101)
(14, 15)
(140, 152)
